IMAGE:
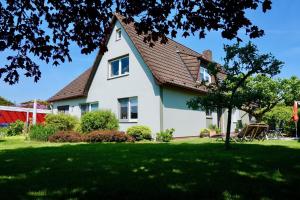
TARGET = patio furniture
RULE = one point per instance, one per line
(254, 131)
(248, 133)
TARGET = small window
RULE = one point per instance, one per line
(119, 67)
(118, 34)
(88, 107)
(204, 75)
(63, 109)
(94, 106)
(84, 108)
(128, 109)
(208, 112)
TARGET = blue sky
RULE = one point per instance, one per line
(282, 39)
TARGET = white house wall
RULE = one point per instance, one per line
(139, 83)
(177, 115)
(74, 106)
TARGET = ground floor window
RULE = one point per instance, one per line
(87, 107)
(128, 109)
(63, 109)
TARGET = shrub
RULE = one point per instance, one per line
(280, 117)
(15, 128)
(204, 132)
(3, 131)
(99, 120)
(218, 130)
(140, 132)
(41, 132)
(66, 136)
(62, 122)
(107, 136)
(165, 136)
(212, 127)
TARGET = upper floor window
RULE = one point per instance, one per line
(119, 67)
(204, 75)
(118, 34)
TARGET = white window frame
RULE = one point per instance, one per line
(110, 76)
(118, 34)
(64, 111)
(205, 74)
(89, 106)
(128, 110)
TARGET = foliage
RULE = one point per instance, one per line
(66, 136)
(46, 30)
(40, 104)
(165, 136)
(15, 128)
(3, 131)
(204, 132)
(140, 132)
(212, 127)
(62, 122)
(261, 93)
(239, 124)
(292, 90)
(99, 120)
(107, 136)
(279, 116)
(41, 132)
(5, 102)
(226, 91)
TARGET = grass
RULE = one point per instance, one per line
(183, 169)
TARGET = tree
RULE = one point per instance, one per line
(46, 28)
(262, 93)
(5, 102)
(240, 63)
(292, 90)
(280, 116)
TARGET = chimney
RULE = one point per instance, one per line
(207, 54)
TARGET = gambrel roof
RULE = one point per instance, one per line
(171, 64)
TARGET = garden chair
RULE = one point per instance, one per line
(256, 131)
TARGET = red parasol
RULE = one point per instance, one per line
(295, 112)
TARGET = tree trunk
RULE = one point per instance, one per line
(227, 140)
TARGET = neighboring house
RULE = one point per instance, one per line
(142, 85)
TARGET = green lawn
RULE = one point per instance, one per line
(183, 169)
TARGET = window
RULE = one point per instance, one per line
(87, 107)
(118, 34)
(208, 112)
(204, 75)
(63, 109)
(119, 67)
(94, 106)
(128, 109)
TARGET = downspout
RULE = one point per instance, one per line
(161, 108)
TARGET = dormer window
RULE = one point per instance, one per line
(204, 75)
(118, 34)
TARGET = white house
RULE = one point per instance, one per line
(143, 85)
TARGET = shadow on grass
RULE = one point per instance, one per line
(150, 171)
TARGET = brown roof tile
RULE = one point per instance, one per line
(171, 64)
(77, 88)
